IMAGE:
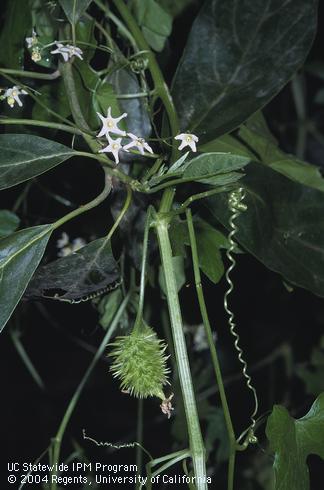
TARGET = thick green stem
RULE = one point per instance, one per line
(214, 356)
(160, 87)
(67, 74)
(196, 443)
(57, 441)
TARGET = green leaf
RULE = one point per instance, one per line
(226, 144)
(155, 22)
(211, 164)
(292, 441)
(291, 167)
(17, 24)
(108, 307)
(46, 26)
(80, 276)
(53, 95)
(283, 225)
(176, 8)
(20, 254)
(238, 56)
(84, 32)
(312, 373)
(24, 156)
(9, 222)
(73, 9)
(209, 241)
(138, 120)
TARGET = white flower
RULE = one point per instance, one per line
(31, 41)
(187, 140)
(67, 51)
(114, 147)
(12, 95)
(110, 124)
(66, 247)
(139, 143)
(64, 240)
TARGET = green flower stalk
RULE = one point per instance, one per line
(140, 364)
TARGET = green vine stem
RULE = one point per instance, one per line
(32, 74)
(213, 351)
(57, 440)
(197, 449)
(90, 205)
(42, 124)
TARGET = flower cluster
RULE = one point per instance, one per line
(109, 127)
(67, 51)
(66, 247)
(12, 95)
(32, 43)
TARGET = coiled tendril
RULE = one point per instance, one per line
(236, 206)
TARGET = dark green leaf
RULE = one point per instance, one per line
(25, 156)
(211, 164)
(83, 275)
(17, 24)
(312, 373)
(283, 225)
(108, 307)
(73, 9)
(209, 241)
(9, 222)
(238, 56)
(176, 8)
(138, 121)
(20, 254)
(46, 26)
(271, 155)
(292, 441)
(53, 95)
(85, 32)
(155, 22)
(226, 144)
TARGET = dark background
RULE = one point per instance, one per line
(60, 339)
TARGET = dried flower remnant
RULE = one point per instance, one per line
(31, 41)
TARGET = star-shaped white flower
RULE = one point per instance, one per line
(110, 124)
(187, 140)
(31, 41)
(12, 95)
(114, 147)
(138, 143)
(67, 51)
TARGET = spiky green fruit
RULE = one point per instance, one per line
(140, 363)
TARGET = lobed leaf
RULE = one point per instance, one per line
(89, 271)
(292, 441)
